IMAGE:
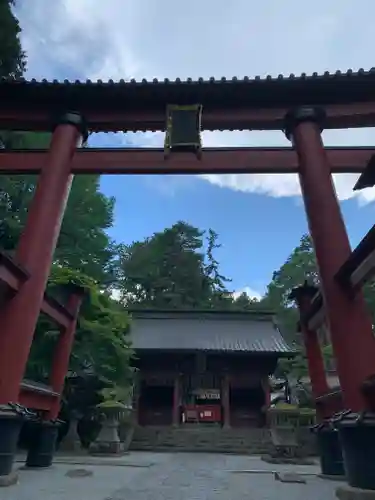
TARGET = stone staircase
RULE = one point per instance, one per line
(202, 438)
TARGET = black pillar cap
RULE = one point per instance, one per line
(72, 118)
(302, 114)
(367, 178)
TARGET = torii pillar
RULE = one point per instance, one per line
(348, 319)
(19, 316)
(303, 296)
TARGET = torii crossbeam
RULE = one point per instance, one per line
(213, 161)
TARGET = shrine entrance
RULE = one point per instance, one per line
(301, 107)
(155, 406)
(246, 406)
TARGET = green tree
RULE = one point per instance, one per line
(172, 270)
(12, 57)
(83, 243)
(101, 347)
(17, 191)
(300, 266)
(245, 303)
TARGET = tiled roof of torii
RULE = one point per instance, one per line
(141, 101)
(327, 75)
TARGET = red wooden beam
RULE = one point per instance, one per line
(355, 272)
(13, 276)
(360, 114)
(10, 273)
(56, 311)
(36, 396)
(214, 161)
(360, 267)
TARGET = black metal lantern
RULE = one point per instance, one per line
(183, 129)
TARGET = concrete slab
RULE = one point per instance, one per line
(289, 477)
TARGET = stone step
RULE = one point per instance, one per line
(249, 441)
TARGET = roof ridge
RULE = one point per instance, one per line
(209, 80)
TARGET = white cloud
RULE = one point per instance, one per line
(116, 294)
(287, 185)
(250, 292)
(146, 39)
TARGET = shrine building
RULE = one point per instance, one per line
(205, 367)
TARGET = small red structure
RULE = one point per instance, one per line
(301, 107)
(202, 414)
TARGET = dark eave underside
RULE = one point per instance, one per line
(222, 94)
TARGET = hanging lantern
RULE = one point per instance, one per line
(183, 129)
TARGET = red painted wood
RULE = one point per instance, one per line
(214, 160)
(34, 252)
(267, 392)
(35, 400)
(56, 311)
(205, 413)
(349, 321)
(350, 115)
(13, 277)
(176, 401)
(226, 400)
(315, 360)
(62, 353)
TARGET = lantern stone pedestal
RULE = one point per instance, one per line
(283, 426)
(71, 441)
(108, 441)
(126, 433)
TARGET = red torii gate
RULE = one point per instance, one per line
(299, 106)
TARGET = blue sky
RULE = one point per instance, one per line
(260, 219)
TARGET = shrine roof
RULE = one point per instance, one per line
(230, 332)
(214, 94)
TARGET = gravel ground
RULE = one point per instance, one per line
(167, 476)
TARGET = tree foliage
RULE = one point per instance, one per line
(101, 346)
(12, 57)
(101, 355)
(83, 243)
(172, 270)
(177, 269)
(300, 266)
